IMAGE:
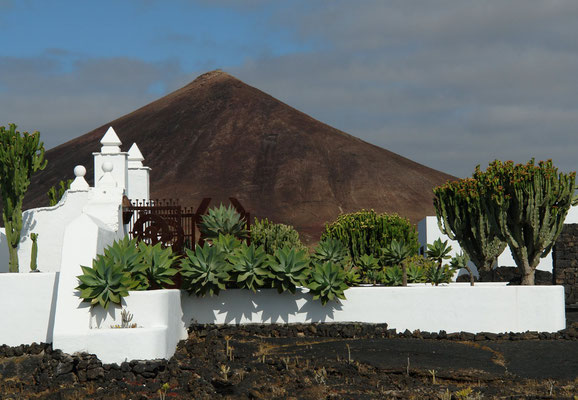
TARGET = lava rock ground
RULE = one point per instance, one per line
(316, 361)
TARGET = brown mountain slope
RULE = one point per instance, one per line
(218, 137)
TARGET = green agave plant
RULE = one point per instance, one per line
(331, 250)
(395, 253)
(158, 264)
(289, 269)
(393, 276)
(225, 221)
(250, 267)
(438, 251)
(352, 275)
(327, 282)
(436, 275)
(416, 273)
(125, 253)
(103, 283)
(205, 270)
(460, 261)
(367, 262)
(227, 243)
(375, 277)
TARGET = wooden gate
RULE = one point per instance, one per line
(167, 222)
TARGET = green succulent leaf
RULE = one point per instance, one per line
(327, 282)
(250, 267)
(205, 270)
(289, 268)
(158, 264)
(103, 283)
(223, 221)
(331, 250)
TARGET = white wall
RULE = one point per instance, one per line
(453, 308)
(27, 306)
(49, 223)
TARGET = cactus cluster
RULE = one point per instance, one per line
(55, 193)
(521, 205)
(274, 236)
(367, 232)
(21, 154)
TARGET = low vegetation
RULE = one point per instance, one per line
(275, 259)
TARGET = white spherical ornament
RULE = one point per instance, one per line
(79, 171)
(107, 166)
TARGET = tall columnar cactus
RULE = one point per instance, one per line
(461, 209)
(34, 252)
(20, 156)
(529, 205)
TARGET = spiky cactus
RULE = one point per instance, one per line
(461, 209)
(20, 156)
(529, 205)
(34, 252)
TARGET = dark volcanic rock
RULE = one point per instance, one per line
(218, 137)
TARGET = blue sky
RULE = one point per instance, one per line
(447, 83)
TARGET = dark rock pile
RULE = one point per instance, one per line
(233, 361)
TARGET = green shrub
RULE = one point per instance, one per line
(290, 268)
(274, 236)
(366, 232)
(250, 267)
(104, 283)
(205, 270)
(223, 221)
(327, 282)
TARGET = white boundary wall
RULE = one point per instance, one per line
(27, 306)
(162, 316)
(160, 327)
(454, 308)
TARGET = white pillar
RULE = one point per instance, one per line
(110, 152)
(138, 187)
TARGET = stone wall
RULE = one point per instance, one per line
(566, 263)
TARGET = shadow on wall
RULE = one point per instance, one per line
(235, 306)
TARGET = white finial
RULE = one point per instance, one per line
(107, 180)
(135, 157)
(110, 142)
(79, 182)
